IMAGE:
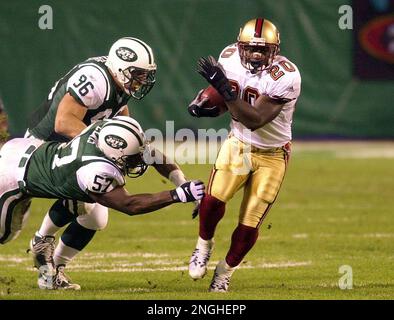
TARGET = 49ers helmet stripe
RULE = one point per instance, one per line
(258, 44)
(259, 27)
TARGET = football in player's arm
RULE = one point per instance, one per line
(260, 89)
(90, 168)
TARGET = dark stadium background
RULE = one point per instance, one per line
(338, 98)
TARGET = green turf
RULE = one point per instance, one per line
(331, 212)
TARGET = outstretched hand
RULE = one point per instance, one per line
(189, 191)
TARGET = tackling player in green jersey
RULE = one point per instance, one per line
(95, 89)
(89, 168)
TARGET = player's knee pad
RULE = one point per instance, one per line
(84, 208)
(62, 212)
(95, 216)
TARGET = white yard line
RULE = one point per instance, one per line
(146, 265)
(101, 255)
(378, 235)
(13, 258)
(113, 267)
(300, 236)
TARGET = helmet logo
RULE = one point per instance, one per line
(126, 54)
(115, 141)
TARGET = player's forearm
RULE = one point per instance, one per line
(163, 165)
(69, 126)
(120, 200)
(165, 169)
(144, 203)
(264, 111)
(246, 114)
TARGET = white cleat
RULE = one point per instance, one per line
(221, 277)
(199, 260)
(42, 248)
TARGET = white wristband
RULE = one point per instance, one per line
(177, 177)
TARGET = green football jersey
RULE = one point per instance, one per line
(92, 85)
(69, 170)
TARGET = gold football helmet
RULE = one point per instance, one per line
(258, 44)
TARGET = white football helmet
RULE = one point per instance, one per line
(132, 63)
(122, 140)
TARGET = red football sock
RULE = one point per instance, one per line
(242, 240)
(211, 211)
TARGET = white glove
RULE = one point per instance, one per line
(189, 191)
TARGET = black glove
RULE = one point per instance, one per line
(196, 107)
(189, 191)
(211, 70)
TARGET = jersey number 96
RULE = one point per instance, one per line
(84, 86)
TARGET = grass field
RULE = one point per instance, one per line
(335, 208)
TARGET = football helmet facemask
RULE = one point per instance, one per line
(122, 140)
(258, 44)
(132, 62)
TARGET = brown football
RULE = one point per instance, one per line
(214, 99)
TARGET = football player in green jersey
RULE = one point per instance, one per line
(95, 89)
(89, 168)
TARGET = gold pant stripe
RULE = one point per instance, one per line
(211, 177)
(264, 214)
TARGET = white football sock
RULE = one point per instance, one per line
(48, 228)
(64, 254)
(204, 244)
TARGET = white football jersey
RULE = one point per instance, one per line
(282, 81)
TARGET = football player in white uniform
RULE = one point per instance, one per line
(260, 89)
(91, 169)
(96, 89)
